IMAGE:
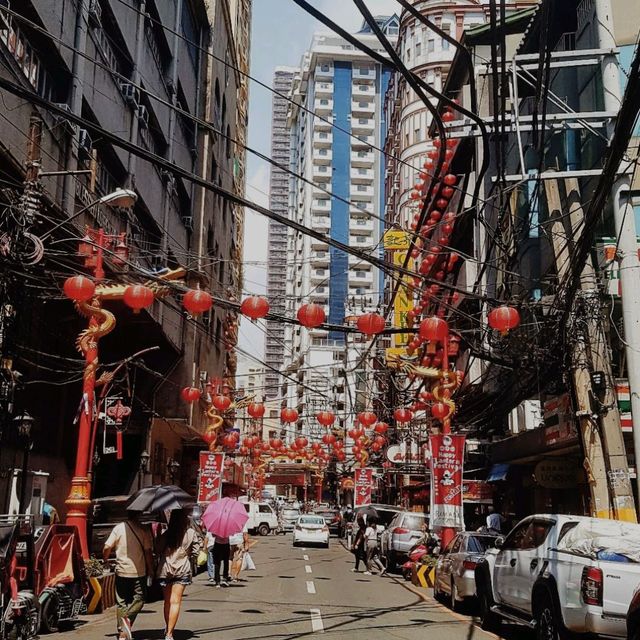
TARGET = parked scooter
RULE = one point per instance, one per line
(428, 545)
(60, 577)
(19, 607)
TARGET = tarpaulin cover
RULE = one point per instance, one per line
(592, 537)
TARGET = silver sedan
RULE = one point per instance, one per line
(456, 565)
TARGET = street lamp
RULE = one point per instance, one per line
(24, 425)
(173, 466)
(144, 466)
(122, 198)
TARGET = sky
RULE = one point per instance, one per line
(280, 33)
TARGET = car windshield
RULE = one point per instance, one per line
(311, 520)
(290, 513)
(414, 521)
(479, 544)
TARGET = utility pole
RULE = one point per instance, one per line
(600, 430)
(627, 245)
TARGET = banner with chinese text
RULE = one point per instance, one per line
(210, 476)
(447, 457)
(363, 480)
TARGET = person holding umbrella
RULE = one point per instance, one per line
(176, 546)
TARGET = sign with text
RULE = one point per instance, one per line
(210, 476)
(363, 480)
(447, 458)
(403, 302)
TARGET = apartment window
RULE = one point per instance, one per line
(323, 169)
(362, 172)
(364, 87)
(408, 54)
(361, 239)
(361, 187)
(363, 104)
(445, 43)
(363, 120)
(361, 274)
(324, 101)
(431, 45)
(191, 32)
(418, 49)
(323, 152)
(325, 68)
(364, 71)
(323, 135)
(319, 272)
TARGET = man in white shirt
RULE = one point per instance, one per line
(133, 546)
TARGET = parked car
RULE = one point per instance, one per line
(311, 529)
(333, 518)
(404, 530)
(288, 518)
(456, 566)
(262, 518)
(561, 574)
(385, 512)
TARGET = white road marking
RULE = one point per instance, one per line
(304, 548)
(316, 621)
(305, 557)
(311, 588)
(307, 568)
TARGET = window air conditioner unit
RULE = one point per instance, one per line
(60, 119)
(130, 93)
(95, 13)
(85, 144)
(187, 221)
(143, 116)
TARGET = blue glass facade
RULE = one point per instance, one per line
(340, 179)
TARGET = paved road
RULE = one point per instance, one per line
(297, 593)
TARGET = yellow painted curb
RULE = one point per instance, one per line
(94, 596)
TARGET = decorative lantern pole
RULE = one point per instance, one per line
(88, 299)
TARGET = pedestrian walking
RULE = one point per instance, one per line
(373, 551)
(239, 556)
(132, 543)
(359, 544)
(221, 553)
(176, 547)
(210, 542)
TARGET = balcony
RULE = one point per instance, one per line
(362, 176)
(322, 139)
(361, 242)
(321, 223)
(362, 191)
(321, 172)
(319, 295)
(323, 106)
(363, 74)
(360, 277)
(319, 275)
(361, 226)
(363, 126)
(319, 259)
(362, 142)
(319, 245)
(324, 89)
(322, 156)
(363, 90)
(361, 108)
(362, 158)
(322, 205)
(360, 208)
(324, 71)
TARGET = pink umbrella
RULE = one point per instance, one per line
(225, 517)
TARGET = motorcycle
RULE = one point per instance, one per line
(426, 546)
(60, 578)
(19, 606)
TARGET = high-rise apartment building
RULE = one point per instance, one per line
(278, 202)
(335, 134)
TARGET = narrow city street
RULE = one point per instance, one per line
(294, 593)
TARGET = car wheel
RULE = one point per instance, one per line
(489, 620)
(454, 601)
(49, 615)
(549, 624)
(263, 529)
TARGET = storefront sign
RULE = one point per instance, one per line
(624, 404)
(447, 457)
(210, 476)
(396, 240)
(478, 491)
(283, 479)
(363, 480)
(403, 302)
(408, 453)
(347, 484)
(555, 474)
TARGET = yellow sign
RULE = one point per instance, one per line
(396, 240)
(403, 302)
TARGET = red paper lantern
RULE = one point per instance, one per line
(370, 324)
(243, 451)
(403, 415)
(197, 301)
(329, 438)
(301, 442)
(381, 427)
(367, 418)
(254, 307)
(311, 315)
(138, 297)
(288, 415)
(79, 288)
(326, 418)
(434, 329)
(450, 180)
(190, 394)
(503, 319)
(439, 410)
(255, 410)
(221, 403)
(209, 436)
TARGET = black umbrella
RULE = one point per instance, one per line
(159, 498)
(368, 513)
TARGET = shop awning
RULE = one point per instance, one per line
(498, 472)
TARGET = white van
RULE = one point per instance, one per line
(262, 518)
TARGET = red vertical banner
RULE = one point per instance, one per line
(363, 480)
(447, 458)
(210, 476)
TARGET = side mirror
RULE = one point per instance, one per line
(499, 542)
